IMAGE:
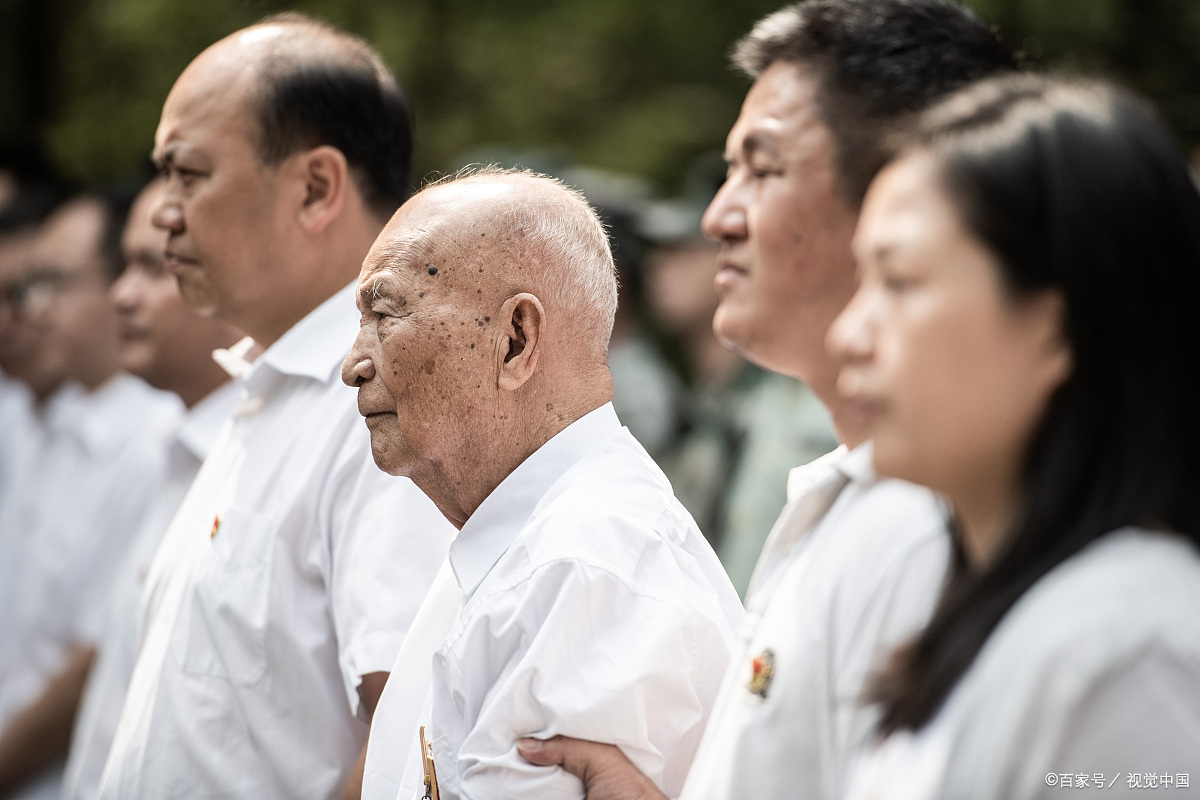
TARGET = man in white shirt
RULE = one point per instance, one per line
(281, 591)
(85, 482)
(591, 604)
(854, 564)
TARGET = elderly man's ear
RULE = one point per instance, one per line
(523, 318)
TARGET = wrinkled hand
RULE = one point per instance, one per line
(605, 771)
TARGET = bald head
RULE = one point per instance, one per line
(487, 303)
(501, 232)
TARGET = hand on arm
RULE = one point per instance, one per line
(41, 733)
(605, 771)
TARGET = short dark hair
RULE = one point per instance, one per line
(1077, 188)
(876, 63)
(344, 97)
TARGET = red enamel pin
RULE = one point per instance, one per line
(763, 669)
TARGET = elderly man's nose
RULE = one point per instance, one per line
(725, 217)
(357, 369)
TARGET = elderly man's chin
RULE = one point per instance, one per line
(386, 446)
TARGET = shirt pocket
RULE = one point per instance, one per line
(226, 635)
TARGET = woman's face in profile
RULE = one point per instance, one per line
(949, 371)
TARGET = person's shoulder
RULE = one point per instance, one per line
(1129, 595)
(616, 481)
(612, 510)
(1125, 590)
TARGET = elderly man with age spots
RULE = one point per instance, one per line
(854, 564)
(578, 597)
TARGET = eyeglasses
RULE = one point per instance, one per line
(40, 287)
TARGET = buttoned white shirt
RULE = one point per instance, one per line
(108, 680)
(1090, 682)
(84, 487)
(292, 568)
(592, 607)
(852, 568)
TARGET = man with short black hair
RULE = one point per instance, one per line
(854, 564)
(284, 585)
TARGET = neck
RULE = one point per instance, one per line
(99, 371)
(332, 262)
(532, 420)
(820, 375)
(200, 384)
(985, 514)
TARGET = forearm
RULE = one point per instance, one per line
(41, 733)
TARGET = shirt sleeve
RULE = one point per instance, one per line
(387, 543)
(573, 650)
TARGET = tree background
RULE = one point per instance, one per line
(637, 86)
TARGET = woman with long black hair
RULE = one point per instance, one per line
(1025, 341)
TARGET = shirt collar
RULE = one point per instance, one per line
(202, 422)
(858, 466)
(315, 346)
(489, 531)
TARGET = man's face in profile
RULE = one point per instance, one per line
(220, 205)
(63, 301)
(429, 337)
(783, 226)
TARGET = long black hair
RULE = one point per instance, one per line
(1077, 188)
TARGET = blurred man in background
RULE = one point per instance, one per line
(29, 190)
(85, 483)
(285, 583)
(170, 347)
(854, 564)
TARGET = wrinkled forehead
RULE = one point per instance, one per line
(443, 223)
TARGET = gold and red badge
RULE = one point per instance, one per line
(216, 524)
(762, 670)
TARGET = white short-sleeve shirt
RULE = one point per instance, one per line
(292, 568)
(1090, 684)
(831, 597)
(108, 680)
(84, 487)
(592, 607)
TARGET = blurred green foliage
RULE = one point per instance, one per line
(640, 86)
